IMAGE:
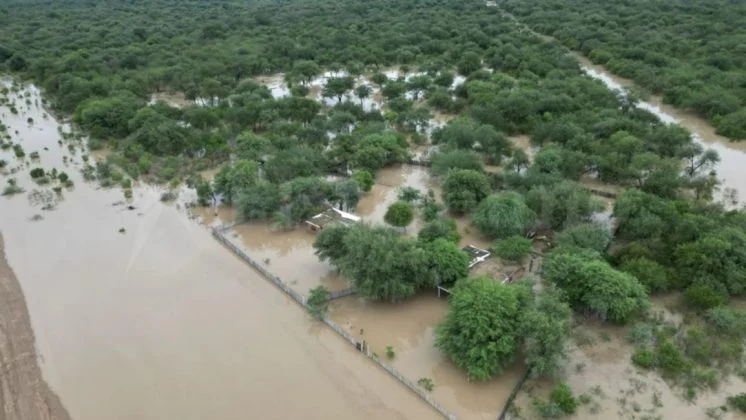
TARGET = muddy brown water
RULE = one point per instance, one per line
(600, 368)
(161, 322)
(732, 166)
(408, 327)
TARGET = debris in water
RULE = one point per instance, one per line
(121, 230)
(36, 218)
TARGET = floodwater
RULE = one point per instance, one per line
(408, 327)
(372, 207)
(160, 321)
(601, 369)
(732, 167)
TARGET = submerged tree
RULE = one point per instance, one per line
(399, 214)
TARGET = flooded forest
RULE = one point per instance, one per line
(335, 209)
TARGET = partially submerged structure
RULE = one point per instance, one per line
(331, 217)
(476, 255)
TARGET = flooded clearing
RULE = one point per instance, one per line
(599, 366)
(123, 296)
(408, 327)
(372, 207)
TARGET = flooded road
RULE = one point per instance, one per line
(160, 321)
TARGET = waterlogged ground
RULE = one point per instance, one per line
(139, 313)
(408, 327)
(599, 367)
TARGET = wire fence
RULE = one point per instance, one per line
(219, 234)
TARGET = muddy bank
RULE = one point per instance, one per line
(24, 395)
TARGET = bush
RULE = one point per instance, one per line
(738, 402)
(641, 334)
(444, 228)
(426, 383)
(513, 248)
(704, 297)
(728, 321)
(37, 173)
(589, 235)
(670, 359)
(644, 358)
(390, 353)
(168, 196)
(565, 400)
(318, 301)
(651, 274)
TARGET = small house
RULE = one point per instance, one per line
(330, 217)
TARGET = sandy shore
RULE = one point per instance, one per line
(24, 395)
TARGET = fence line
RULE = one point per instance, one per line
(513, 394)
(340, 294)
(219, 234)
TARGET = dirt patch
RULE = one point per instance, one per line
(24, 395)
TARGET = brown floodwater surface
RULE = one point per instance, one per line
(408, 327)
(161, 322)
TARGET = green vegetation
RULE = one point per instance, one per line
(503, 215)
(399, 214)
(426, 383)
(318, 301)
(383, 265)
(103, 63)
(390, 353)
(488, 321)
(695, 354)
(738, 402)
(689, 52)
(513, 248)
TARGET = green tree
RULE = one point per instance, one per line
(513, 248)
(318, 301)
(503, 215)
(546, 329)
(347, 193)
(588, 235)
(464, 189)
(364, 179)
(337, 87)
(330, 243)
(440, 228)
(382, 265)
(442, 163)
(305, 70)
(363, 92)
(594, 286)
(480, 330)
(564, 204)
(234, 178)
(399, 214)
(260, 201)
(447, 261)
(651, 274)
